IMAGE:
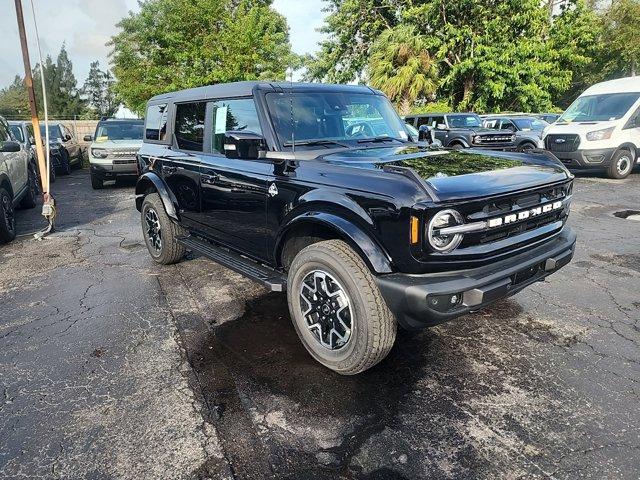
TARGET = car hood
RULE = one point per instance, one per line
(580, 128)
(117, 144)
(455, 174)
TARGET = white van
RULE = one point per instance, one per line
(601, 129)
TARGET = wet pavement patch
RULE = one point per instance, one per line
(628, 214)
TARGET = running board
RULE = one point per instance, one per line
(275, 281)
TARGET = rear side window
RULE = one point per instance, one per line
(423, 121)
(156, 122)
(17, 132)
(239, 114)
(189, 126)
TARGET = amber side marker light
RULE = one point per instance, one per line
(413, 235)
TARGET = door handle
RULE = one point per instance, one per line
(169, 170)
(209, 179)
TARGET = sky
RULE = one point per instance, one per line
(86, 25)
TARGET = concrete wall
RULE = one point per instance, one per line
(81, 127)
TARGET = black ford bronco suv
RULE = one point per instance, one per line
(319, 190)
(463, 130)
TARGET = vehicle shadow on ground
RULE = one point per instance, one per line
(270, 367)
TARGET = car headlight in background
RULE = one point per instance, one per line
(99, 153)
(603, 134)
(443, 219)
(513, 137)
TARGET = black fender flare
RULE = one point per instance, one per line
(153, 180)
(373, 253)
(461, 140)
(635, 151)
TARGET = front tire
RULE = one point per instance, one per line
(160, 232)
(337, 309)
(7, 217)
(621, 164)
(526, 146)
(96, 182)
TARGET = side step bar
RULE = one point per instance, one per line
(275, 281)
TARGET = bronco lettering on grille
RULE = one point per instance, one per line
(515, 217)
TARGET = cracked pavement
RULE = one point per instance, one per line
(113, 367)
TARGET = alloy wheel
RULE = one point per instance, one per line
(154, 231)
(326, 309)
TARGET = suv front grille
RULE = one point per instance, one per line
(567, 142)
(493, 138)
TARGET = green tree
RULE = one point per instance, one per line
(401, 66)
(352, 27)
(621, 35)
(13, 100)
(174, 44)
(98, 91)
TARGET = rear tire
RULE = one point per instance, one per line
(7, 217)
(621, 165)
(160, 232)
(31, 198)
(337, 309)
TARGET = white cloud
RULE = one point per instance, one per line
(85, 26)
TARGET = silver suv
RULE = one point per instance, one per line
(113, 150)
(18, 182)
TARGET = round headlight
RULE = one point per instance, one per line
(99, 153)
(443, 219)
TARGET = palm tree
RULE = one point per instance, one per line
(401, 66)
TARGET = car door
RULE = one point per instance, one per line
(70, 142)
(234, 191)
(441, 130)
(15, 162)
(180, 164)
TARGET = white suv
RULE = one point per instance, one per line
(601, 129)
(18, 182)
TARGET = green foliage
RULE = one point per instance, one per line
(621, 35)
(13, 100)
(174, 44)
(401, 66)
(98, 90)
(439, 106)
(492, 55)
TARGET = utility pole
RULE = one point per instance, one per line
(48, 206)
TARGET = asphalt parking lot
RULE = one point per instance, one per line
(114, 367)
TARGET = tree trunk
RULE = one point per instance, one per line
(468, 85)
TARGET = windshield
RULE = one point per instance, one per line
(54, 132)
(594, 108)
(464, 121)
(119, 131)
(528, 124)
(17, 132)
(330, 117)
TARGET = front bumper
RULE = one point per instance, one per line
(593, 158)
(112, 170)
(411, 297)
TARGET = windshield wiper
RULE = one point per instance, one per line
(313, 143)
(380, 139)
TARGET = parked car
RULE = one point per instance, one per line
(601, 129)
(64, 142)
(112, 153)
(18, 182)
(23, 133)
(463, 130)
(528, 129)
(547, 117)
(361, 230)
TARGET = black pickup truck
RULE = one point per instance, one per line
(463, 130)
(319, 191)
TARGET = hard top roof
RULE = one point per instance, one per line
(246, 89)
(619, 85)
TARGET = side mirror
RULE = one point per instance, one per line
(425, 134)
(441, 126)
(243, 145)
(32, 141)
(88, 138)
(66, 137)
(9, 147)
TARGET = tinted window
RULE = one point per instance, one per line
(189, 127)
(507, 125)
(156, 122)
(17, 132)
(233, 115)
(464, 121)
(54, 132)
(423, 121)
